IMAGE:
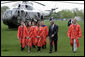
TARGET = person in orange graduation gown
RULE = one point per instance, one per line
(45, 34)
(22, 30)
(74, 32)
(29, 35)
(34, 29)
(39, 35)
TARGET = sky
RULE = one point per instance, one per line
(52, 4)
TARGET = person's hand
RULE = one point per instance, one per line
(18, 37)
(52, 35)
(27, 37)
(47, 36)
(78, 38)
(38, 36)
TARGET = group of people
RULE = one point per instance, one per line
(35, 34)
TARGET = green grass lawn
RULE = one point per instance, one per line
(10, 44)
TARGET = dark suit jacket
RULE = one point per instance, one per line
(55, 32)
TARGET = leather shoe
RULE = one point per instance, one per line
(50, 52)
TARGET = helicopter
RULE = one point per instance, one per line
(24, 11)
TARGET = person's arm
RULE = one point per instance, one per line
(41, 33)
(26, 32)
(79, 32)
(56, 30)
(69, 32)
(31, 33)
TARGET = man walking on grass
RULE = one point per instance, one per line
(53, 35)
(74, 33)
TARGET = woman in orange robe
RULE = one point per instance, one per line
(29, 34)
(45, 34)
(34, 29)
(74, 32)
(39, 35)
(22, 30)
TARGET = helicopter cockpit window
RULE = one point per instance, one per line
(26, 6)
(19, 6)
(22, 7)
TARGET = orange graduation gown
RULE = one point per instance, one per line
(33, 34)
(29, 34)
(45, 34)
(22, 35)
(74, 31)
(39, 33)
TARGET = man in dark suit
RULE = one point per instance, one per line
(53, 35)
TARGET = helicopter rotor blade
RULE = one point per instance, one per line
(52, 9)
(69, 2)
(16, 4)
(39, 3)
(8, 2)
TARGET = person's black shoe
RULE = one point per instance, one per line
(50, 52)
(39, 48)
(55, 50)
(22, 49)
(45, 46)
(42, 47)
(72, 48)
(33, 46)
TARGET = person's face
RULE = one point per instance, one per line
(39, 23)
(51, 22)
(29, 23)
(42, 22)
(74, 22)
(33, 23)
(22, 23)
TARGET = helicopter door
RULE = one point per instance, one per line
(7, 14)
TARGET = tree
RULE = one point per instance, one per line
(79, 13)
(65, 14)
(68, 14)
(3, 9)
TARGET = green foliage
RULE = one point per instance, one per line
(79, 13)
(3, 9)
(68, 14)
